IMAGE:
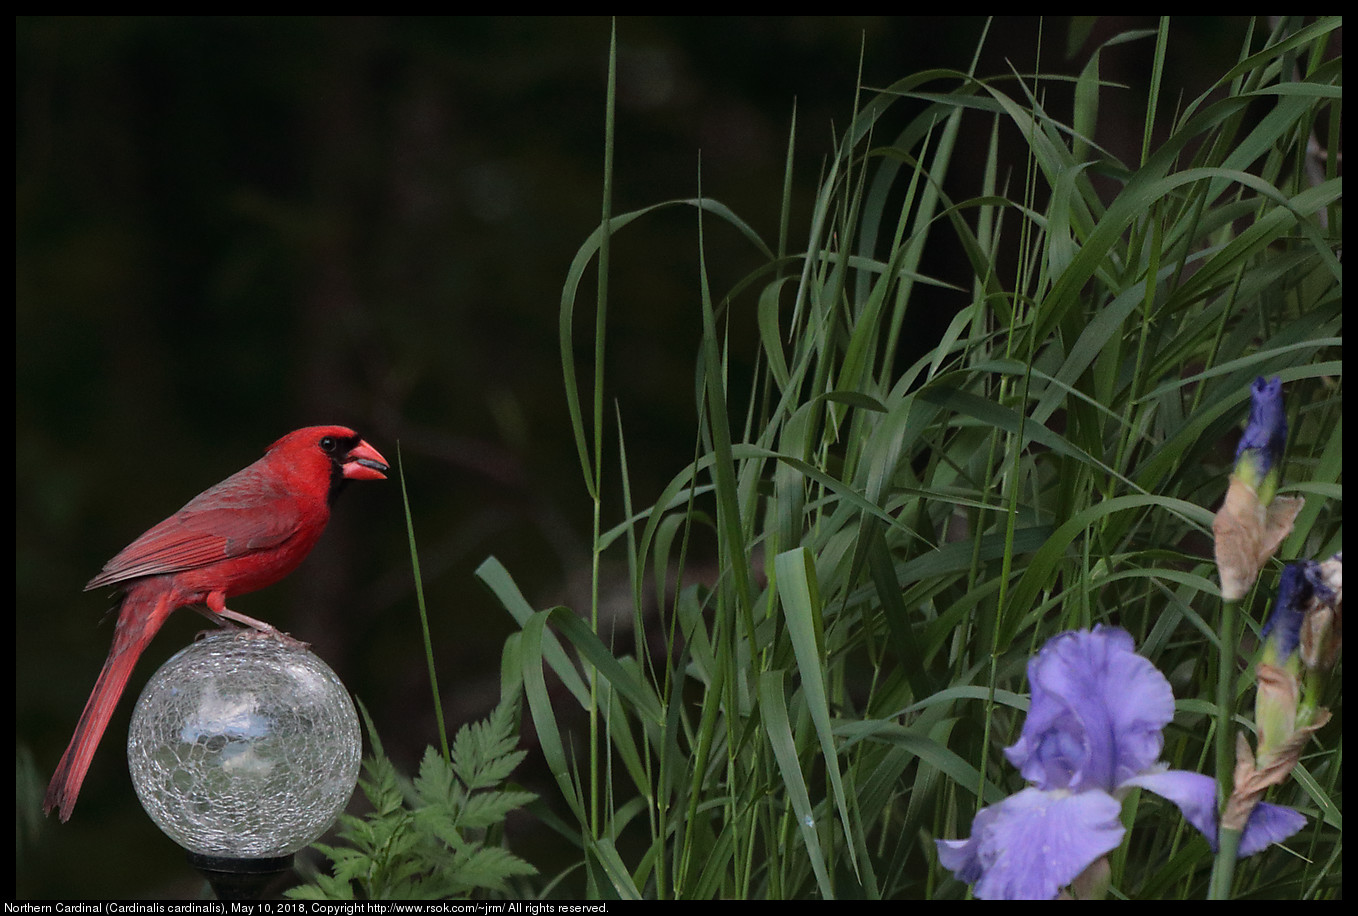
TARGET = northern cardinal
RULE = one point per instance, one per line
(248, 531)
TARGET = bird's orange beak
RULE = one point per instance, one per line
(365, 463)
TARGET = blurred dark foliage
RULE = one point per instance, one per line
(230, 227)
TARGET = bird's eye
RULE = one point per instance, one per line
(328, 443)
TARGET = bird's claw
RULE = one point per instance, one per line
(291, 642)
(223, 626)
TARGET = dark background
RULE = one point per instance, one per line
(229, 228)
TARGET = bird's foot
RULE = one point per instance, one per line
(252, 628)
(269, 632)
(223, 626)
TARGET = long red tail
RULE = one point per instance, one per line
(143, 611)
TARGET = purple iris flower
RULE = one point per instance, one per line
(1094, 730)
(1300, 583)
(1265, 434)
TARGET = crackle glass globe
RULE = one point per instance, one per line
(244, 746)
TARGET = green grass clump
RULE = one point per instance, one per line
(894, 535)
(895, 538)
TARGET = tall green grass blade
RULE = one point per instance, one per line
(796, 577)
(424, 614)
(779, 734)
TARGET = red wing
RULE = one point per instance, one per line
(243, 514)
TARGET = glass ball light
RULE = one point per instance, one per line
(244, 746)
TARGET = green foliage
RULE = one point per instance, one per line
(889, 536)
(431, 838)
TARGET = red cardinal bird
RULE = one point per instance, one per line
(248, 531)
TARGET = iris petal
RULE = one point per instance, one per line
(1269, 824)
(1096, 715)
(1193, 793)
(1034, 843)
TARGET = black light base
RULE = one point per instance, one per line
(240, 879)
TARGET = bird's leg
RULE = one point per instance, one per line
(217, 610)
(221, 622)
